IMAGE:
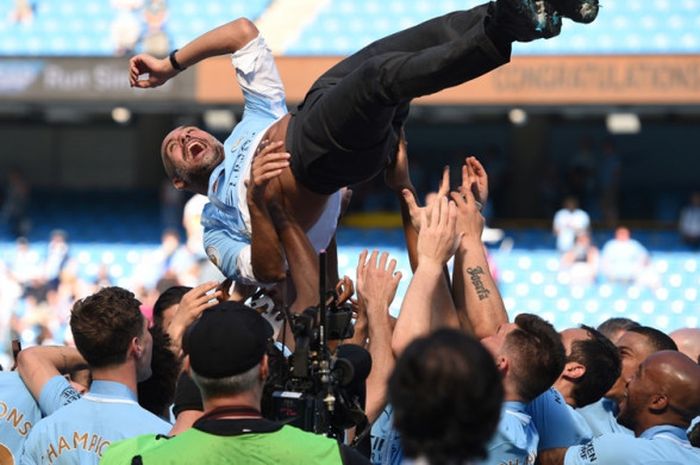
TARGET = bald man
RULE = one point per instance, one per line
(688, 342)
(659, 403)
(635, 345)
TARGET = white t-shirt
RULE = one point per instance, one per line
(567, 224)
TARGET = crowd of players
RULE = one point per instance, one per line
(453, 380)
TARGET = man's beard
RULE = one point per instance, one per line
(628, 414)
(198, 177)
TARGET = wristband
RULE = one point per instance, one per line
(174, 62)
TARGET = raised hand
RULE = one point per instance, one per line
(415, 210)
(470, 223)
(191, 306)
(437, 239)
(195, 301)
(159, 71)
(475, 178)
(377, 282)
(345, 289)
(267, 164)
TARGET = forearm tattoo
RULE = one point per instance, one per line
(474, 274)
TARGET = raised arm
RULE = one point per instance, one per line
(437, 242)
(398, 179)
(228, 38)
(478, 301)
(301, 259)
(38, 365)
(191, 306)
(267, 256)
(376, 287)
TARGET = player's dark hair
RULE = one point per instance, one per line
(694, 435)
(171, 296)
(446, 393)
(157, 392)
(658, 340)
(537, 354)
(602, 361)
(104, 325)
(612, 325)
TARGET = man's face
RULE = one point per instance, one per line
(634, 348)
(494, 344)
(193, 152)
(622, 234)
(168, 314)
(636, 395)
(143, 367)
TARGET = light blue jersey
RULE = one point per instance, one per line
(386, 444)
(660, 445)
(56, 393)
(582, 429)
(554, 423)
(79, 433)
(225, 218)
(515, 441)
(601, 418)
(18, 413)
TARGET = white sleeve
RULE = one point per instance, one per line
(244, 264)
(259, 79)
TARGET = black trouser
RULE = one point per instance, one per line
(347, 127)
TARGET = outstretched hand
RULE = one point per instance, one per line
(474, 178)
(191, 306)
(377, 282)
(415, 210)
(195, 301)
(159, 71)
(470, 223)
(267, 164)
(438, 239)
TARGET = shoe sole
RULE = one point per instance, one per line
(549, 20)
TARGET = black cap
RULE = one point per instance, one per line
(228, 339)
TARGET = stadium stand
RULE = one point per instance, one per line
(622, 27)
(529, 274)
(77, 28)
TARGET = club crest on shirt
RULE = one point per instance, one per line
(213, 255)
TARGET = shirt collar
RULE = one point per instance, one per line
(680, 433)
(514, 406)
(112, 389)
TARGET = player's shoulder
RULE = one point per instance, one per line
(142, 418)
(616, 448)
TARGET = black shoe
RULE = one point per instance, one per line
(581, 11)
(527, 20)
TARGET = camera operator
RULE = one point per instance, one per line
(227, 359)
